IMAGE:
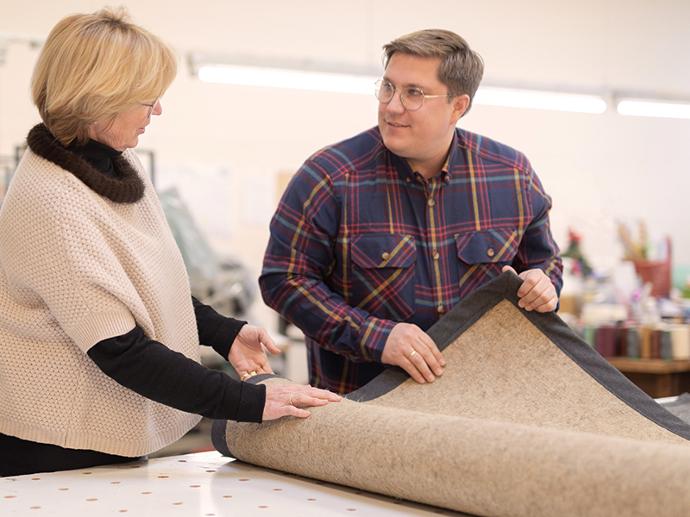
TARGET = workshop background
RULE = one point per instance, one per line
(558, 80)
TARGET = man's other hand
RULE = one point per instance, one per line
(537, 292)
(410, 348)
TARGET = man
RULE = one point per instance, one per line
(380, 235)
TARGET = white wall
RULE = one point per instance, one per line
(224, 144)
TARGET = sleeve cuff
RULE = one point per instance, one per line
(215, 330)
(375, 335)
(98, 326)
(252, 402)
(225, 334)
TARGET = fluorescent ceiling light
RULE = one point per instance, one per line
(537, 99)
(287, 78)
(653, 108)
(361, 81)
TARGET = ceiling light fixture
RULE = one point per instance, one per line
(640, 107)
(349, 79)
(540, 99)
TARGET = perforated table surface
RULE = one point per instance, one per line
(203, 484)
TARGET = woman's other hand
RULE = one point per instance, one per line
(288, 399)
(248, 351)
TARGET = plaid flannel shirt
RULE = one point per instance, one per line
(360, 242)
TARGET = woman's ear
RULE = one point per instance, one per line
(94, 129)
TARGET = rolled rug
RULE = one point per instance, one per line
(526, 420)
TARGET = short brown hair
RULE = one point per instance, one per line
(461, 68)
(94, 66)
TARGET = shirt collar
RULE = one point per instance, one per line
(452, 159)
(408, 174)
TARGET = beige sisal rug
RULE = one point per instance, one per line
(527, 420)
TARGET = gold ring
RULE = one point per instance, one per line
(290, 400)
(246, 375)
(413, 353)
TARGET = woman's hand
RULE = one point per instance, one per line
(248, 351)
(288, 399)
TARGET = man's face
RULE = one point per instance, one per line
(422, 135)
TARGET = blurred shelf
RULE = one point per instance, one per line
(656, 377)
(626, 364)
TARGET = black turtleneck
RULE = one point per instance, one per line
(99, 155)
(133, 360)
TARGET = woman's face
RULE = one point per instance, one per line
(123, 133)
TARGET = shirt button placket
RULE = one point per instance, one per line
(431, 203)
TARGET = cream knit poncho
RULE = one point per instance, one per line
(77, 268)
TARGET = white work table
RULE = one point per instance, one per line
(204, 484)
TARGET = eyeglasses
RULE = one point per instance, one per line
(150, 106)
(411, 97)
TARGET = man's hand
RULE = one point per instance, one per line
(537, 292)
(410, 348)
(248, 351)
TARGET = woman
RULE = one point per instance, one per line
(99, 332)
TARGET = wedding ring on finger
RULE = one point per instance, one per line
(412, 354)
(290, 403)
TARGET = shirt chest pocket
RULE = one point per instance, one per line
(383, 274)
(492, 247)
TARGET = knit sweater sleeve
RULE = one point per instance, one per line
(56, 253)
(160, 374)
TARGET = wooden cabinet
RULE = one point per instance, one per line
(656, 377)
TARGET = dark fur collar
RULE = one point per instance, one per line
(126, 188)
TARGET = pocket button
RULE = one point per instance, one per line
(490, 252)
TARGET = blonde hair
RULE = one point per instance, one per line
(94, 66)
(461, 68)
